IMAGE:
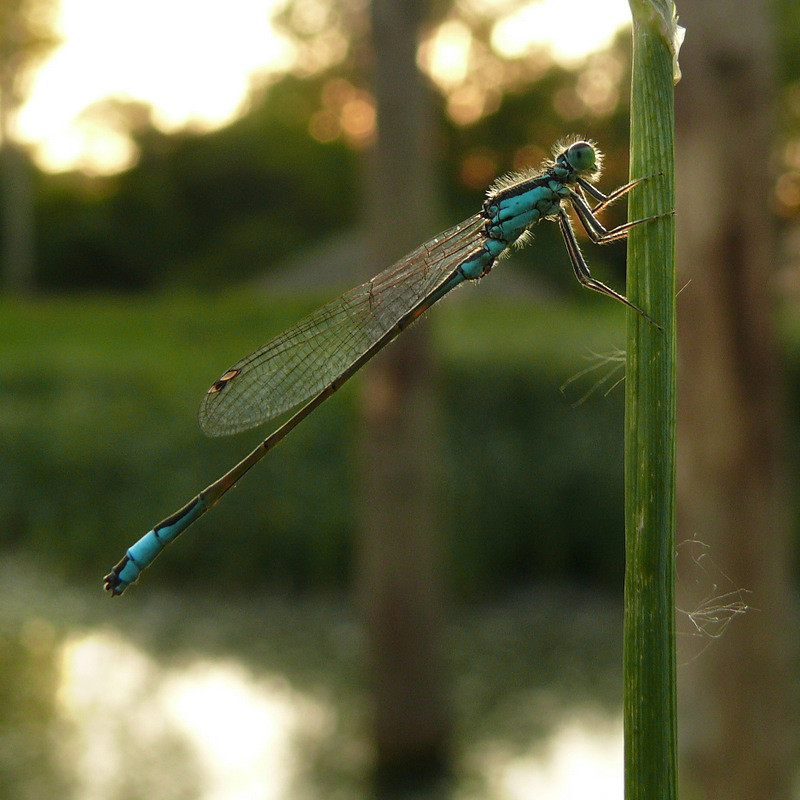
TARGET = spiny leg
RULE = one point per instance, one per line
(598, 233)
(582, 268)
(605, 200)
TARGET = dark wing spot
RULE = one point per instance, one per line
(220, 384)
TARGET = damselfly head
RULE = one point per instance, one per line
(580, 155)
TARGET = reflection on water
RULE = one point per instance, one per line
(268, 702)
(114, 729)
(234, 731)
(581, 759)
(238, 731)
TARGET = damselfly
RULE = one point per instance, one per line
(308, 362)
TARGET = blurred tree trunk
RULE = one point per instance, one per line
(16, 201)
(16, 218)
(27, 36)
(398, 578)
(739, 727)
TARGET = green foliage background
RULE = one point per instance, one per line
(99, 442)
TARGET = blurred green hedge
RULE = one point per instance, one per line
(99, 442)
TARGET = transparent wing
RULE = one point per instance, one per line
(300, 362)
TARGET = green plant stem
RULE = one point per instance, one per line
(649, 645)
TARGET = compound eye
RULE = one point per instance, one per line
(581, 156)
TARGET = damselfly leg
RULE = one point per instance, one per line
(599, 234)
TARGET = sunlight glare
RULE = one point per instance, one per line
(192, 61)
(126, 715)
(568, 28)
(104, 693)
(241, 728)
(444, 56)
(214, 730)
(582, 759)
